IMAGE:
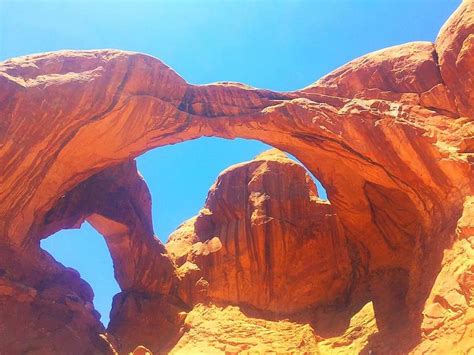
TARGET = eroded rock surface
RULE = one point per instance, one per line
(117, 202)
(212, 329)
(390, 136)
(46, 308)
(216, 330)
(280, 248)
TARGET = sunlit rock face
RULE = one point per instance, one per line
(269, 241)
(389, 135)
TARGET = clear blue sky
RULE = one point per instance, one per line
(279, 45)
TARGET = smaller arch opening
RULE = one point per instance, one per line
(319, 187)
(85, 250)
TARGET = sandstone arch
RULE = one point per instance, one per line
(388, 134)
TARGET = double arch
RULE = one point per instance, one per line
(366, 133)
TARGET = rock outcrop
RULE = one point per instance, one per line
(117, 202)
(216, 330)
(279, 249)
(46, 308)
(390, 136)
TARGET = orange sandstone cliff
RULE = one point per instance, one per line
(386, 267)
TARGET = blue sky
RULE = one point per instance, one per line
(279, 45)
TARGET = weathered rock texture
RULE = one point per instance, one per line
(46, 308)
(279, 247)
(213, 330)
(390, 135)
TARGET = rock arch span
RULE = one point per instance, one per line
(388, 134)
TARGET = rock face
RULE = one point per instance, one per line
(205, 335)
(116, 201)
(245, 334)
(46, 308)
(390, 136)
(281, 249)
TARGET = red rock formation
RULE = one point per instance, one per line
(243, 334)
(390, 135)
(281, 249)
(116, 201)
(205, 323)
(143, 318)
(46, 308)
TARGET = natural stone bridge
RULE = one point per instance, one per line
(389, 135)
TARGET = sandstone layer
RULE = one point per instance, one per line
(390, 136)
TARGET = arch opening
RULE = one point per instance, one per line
(179, 176)
(85, 250)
